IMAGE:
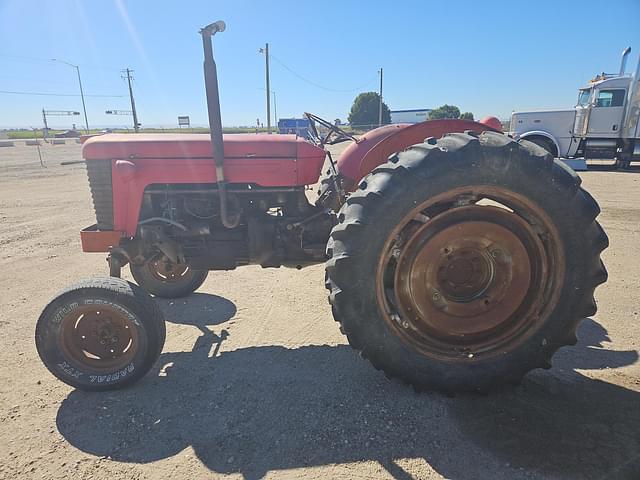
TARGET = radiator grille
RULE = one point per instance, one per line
(99, 173)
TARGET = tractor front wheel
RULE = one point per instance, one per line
(100, 334)
(464, 263)
(163, 278)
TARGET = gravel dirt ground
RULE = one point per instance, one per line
(256, 381)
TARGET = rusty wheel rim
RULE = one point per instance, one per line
(98, 337)
(164, 270)
(470, 273)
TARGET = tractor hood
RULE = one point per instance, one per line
(179, 145)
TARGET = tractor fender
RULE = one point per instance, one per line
(375, 147)
(540, 133)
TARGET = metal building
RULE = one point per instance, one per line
(410, 116)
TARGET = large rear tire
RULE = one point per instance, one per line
(100, 334)
(163, 278)
(328, 196)
(464, 263)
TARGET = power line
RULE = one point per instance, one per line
(24, 57)
(38, 59)
(11, 92)
(317, 85)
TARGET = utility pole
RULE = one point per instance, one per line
(127, 75)
(45, 132)
(265, 50)
(380, 106)
(275, 112)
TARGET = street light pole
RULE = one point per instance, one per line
(84, 107)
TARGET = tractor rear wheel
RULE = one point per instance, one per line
(328, 196)
(100, 334)
(163, 278)
(464, 263)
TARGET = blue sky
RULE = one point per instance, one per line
(487, 57)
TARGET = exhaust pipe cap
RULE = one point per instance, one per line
(214, 28)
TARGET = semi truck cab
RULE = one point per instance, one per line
(600, 107)
(602, 127)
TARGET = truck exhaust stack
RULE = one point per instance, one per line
(623, 62)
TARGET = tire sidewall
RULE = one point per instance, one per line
(531, 176)
(48, 338)
(187, 285)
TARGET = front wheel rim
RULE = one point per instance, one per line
(99, 337)
(164, 270)
(470, 273)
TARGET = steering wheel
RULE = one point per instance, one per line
(333, 136)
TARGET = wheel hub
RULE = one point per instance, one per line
(466, 280)
(452, 282)
(464, 274)
(98, 337)
(166, 271)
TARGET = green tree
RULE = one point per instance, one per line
(364, 110)
(445, 111)
(467, 116)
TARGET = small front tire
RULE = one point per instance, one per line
(100, 334)
(163, 278)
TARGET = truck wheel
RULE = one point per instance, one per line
(463, 264)
(163, 278)
(100, 334)
(544, 143)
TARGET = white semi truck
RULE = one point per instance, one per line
(603, 126)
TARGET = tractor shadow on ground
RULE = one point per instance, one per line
(259, 409)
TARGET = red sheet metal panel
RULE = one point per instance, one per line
(185, 145)
(142, 160)
(374, 148)
(93, 240)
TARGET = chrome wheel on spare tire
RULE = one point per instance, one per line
(465, 263)
(163, 278)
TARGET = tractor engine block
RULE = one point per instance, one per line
(273, 228)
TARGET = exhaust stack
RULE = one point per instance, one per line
(215, 120)
(623, 62)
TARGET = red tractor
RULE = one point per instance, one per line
(456, 258)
